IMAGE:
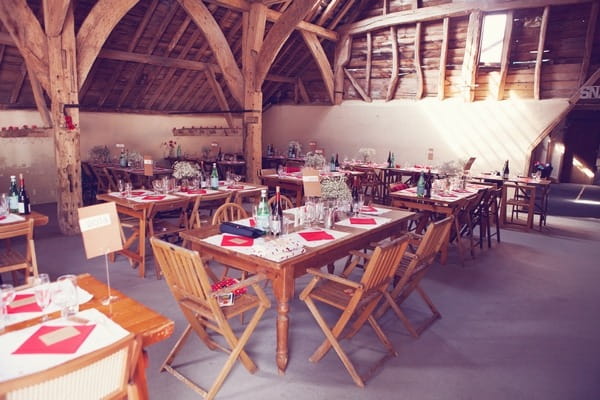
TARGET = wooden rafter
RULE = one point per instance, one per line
(40, 100)
(443, 59)
(343, 51)
(505, 57)
(302, 91)
(418, 67)
(219, 95)
(54, 19)
(167, 97)
(357, 86)
(369, 64)
(180, 31)
(2, 50)
(589, 41)
(328, 11)
(395, 65)
(539, 59)
(385, 9)
(205, 21)
(471, 58)
(277, 36)
(432, 13)
(18, 85)
(94, 31)
(313, 44)
(340, 14)
(191, 91)
(31, 42)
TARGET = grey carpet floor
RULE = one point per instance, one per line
(520, 321)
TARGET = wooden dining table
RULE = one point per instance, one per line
(130, 314)
(284, 273)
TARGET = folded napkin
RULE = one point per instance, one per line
(363, 221)
(153, 197)
(236, 241)
(2, 217)
(23, 303)
(290, 170)
(196, 191)
(447, 195)
(252, 222)
(368, 209)
(138, 193)
(56, 340)
(235, 187)
(317, 235)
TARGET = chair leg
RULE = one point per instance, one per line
(173, 353)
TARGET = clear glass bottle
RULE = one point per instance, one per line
(263, 212)
(13, 195)
(421, 185)
(214, 177)
(276, 220)
(23, 199)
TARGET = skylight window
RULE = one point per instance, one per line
(492, 38)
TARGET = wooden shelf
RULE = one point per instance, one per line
(207, 131)
(26, 132)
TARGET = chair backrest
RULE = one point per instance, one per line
(267, 171)
(185, 274)
(383, 263)
(102, 374)
(433, 239)
(106, 183)
(29, 263)
(169, 206)
(210, 202)
(252, 196)
(229, 212)
(286, 202)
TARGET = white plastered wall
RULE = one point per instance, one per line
(491, 131)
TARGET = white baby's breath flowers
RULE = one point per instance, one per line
(335, 188)
(185, 169)
(367, 153)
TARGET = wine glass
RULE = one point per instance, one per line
(41, 290)
(3, 205)
(121, 186)
(8, 294)
(157, 186)
(64, 295)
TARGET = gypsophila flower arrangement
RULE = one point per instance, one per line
(314, 160)
(366, 153)
(185, 169)
(452, 167)
(100, 154)
(169, 148)
(335, 188)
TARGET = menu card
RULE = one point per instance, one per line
(148, 166)
(100, 229)
(312, 185)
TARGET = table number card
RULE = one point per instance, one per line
(148, 166)
(100, 230)
(312, 185)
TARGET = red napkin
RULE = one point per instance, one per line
(236, 241)
(318, 235)
(235, 187)
(2, 217)
(363, 221)
(137, 193)
(368, 209)
(34, 345)
(290, 170)
(418, 166)
(252, 222)
(398, 186)
(153, 197)
(412, 190)
(196, 191)
(30, 307)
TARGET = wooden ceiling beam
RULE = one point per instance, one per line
(166, 99)
(328, 11)
(278, 35)
(18, 85)
(589, 41)
(94, 31)
(539, 59)
(218, 92)
(314, 45)
(446, 10)
(391, 92)
(180, 31)
(31, 42)
(343, 52)
(192, 90)
(156, 60)
(206, 22)
(40, 100)
(54, 21)
(505, 57)
(471, 58)
(274, 16)
(2, 50)
(441, 93)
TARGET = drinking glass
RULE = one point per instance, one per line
(65, 295)
(358, 203)
(128, 189)
(195, 183)
(41, 290)
(165, 184)
(3, 205)
(121, 186)
(157, 186)
(8, 293)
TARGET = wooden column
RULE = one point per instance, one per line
(342, 57)
(537, 75)
(253, 35)
(471, 59)
(505, 58)
(63, 91)
(443, 60)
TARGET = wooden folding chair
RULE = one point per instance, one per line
(208, 201)
(251, 196)
(357, 299)
(166, 219)
(229, 212)
(286, 202)
(106, 183)
(413, 268)
(521, 200)
(106, 373)
(187, 279)
(10, 259)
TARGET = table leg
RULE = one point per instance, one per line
(283, 288)
(142, 244)
(139, 377)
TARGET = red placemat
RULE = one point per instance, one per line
(317, 235)
(252, 222)
(153, 197)
(36, 345)
(23, 303)
(138, 193)
(196, 191)
(2, 217)
(363, 221)
(238, 187)
(236, 241)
